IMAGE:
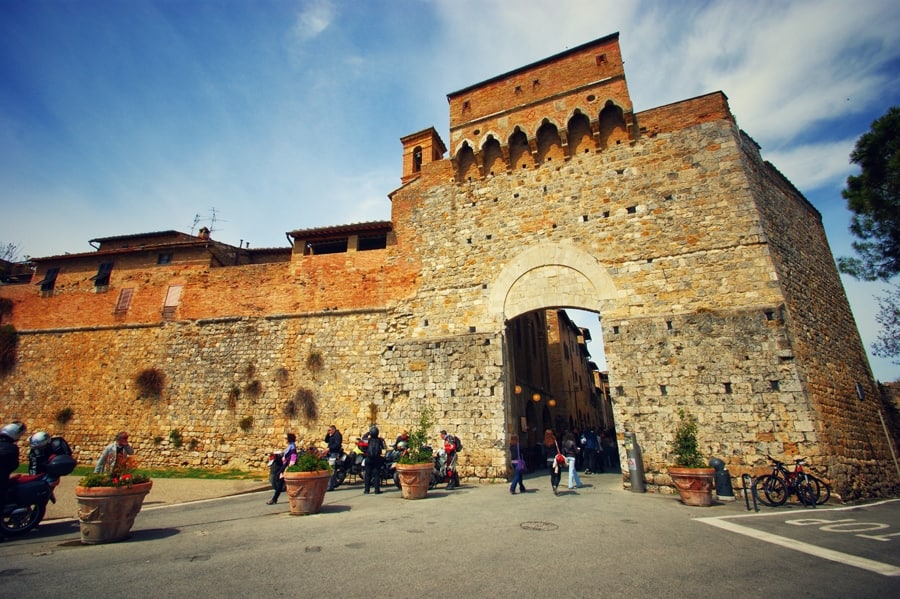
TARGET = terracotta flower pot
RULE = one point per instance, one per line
(106, 514)
(695, 485)
(414, 480)
(306, 491)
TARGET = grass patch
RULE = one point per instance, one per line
(232, 474)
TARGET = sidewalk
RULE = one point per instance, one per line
(165, 491)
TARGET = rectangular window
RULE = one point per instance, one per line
(164, 258)
(101, 279)
(173, 297)
(48, 282)
(124, 301)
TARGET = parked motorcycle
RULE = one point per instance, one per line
(27, 496)
(352, 464)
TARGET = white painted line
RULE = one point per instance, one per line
(829, 554)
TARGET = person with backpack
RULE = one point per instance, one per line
(452, 447)
(288, 458)
(9, 453)
(373, 461)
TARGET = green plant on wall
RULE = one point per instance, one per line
(65, 415)
(193, 444)
(150, 381)
(157, 440)
(246, 423)
(373, 413)
(9, 343)
(282, 376)
(175, 438)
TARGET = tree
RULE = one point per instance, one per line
(874, 198)
(9, 252)
(888, 343)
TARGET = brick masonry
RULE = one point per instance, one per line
(715, 283)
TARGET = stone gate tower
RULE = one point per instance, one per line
(711, 274)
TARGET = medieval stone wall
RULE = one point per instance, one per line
(715, 285)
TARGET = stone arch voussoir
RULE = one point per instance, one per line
(551, 275)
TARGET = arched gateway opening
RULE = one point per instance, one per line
(553, 380)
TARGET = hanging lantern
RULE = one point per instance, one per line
(518, 389)
(552, 402)
(536, 397)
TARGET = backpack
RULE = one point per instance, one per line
(59, 446)
(374, 449)
(458, 443)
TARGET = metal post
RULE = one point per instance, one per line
(635, 463)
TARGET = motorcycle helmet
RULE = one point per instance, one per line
(13, 430)
(39, 439)
(373, 431)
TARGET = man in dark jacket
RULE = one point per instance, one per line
(335, 441)
(9, 453)
(373, 461)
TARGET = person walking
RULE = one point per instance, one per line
(551, 450)
(373, 461)
(288, 458)
(570, 450)
(518, 462)
(452, 447)
(115, 455)
(591, 445)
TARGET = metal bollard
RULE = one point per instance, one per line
(724, 490)
(635, 463)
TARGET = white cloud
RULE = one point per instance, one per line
(315, 16)
(813, 166)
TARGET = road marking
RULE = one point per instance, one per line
(814, 550)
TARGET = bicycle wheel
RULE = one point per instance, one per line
(823, 490)
(770, 490)
(807, 492)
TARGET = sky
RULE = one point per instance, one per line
(255, 118)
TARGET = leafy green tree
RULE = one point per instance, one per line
(874, 198)
(888, 343)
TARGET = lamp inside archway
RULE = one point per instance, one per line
(551, 403)
(536, 397)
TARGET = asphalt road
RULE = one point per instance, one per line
(477, 541)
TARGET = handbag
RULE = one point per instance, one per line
(560, 458)
(520, 463)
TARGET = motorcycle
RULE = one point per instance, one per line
(353, 463)
(27, 496)
(442, 474)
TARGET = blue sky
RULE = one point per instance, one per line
(120, 117)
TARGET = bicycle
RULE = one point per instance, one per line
(774, 489)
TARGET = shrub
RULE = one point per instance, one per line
(175, 437)
(151, 381)
(9, 343)
(306, 402)
(246, 423)
(65, 415)
(309, 462)
(253, 389)
(314, 361)
(685, 446)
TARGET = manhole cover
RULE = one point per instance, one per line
(539, 526)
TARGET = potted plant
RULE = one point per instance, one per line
(415, 468)
(691, 476)
(109, 501)
(306, 482)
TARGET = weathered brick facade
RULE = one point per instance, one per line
(716, 286)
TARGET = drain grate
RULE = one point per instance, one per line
(536, 525)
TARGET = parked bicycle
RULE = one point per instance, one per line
(776, 488)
